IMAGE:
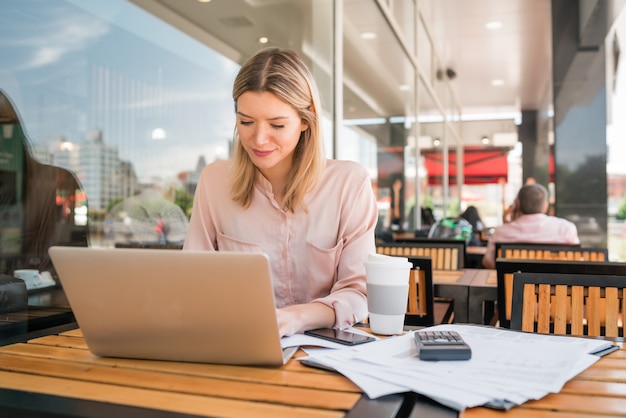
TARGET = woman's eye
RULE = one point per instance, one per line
(245, 122)
(278, 126)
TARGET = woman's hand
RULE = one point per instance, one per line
(299, 318)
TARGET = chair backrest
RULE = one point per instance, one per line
(506, 267)
(530, 251)
(420, 307)
(448, 255)
(576, 304)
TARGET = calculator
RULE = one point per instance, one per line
(441, 345)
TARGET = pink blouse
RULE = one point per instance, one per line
(316, 256)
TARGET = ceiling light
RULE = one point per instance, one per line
(368, 35)
(495, 24)
(436, 142)
(364, 121)
(204, 1)
(497, 83)
(485, 140)
(263, 40)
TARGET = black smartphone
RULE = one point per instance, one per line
(338, 336)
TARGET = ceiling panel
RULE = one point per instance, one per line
(519, 53)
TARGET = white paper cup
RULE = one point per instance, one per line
(387, 281)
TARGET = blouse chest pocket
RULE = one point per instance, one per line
(226, 243)
(322, 263)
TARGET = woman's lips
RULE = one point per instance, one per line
(260, 153)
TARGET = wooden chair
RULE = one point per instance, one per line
(530, 251)
(576, 304)
(505, 269)
(540, 251)
(423, 308)
(449, 255)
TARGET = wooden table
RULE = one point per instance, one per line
(56, 376)
(598, 391)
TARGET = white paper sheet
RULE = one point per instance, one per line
(505, 365)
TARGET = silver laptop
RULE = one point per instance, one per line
(209, 307)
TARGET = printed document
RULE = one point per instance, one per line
(506, 366)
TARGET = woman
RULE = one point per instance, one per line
(315, 218)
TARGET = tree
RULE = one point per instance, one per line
(621, 211)
(184, 199)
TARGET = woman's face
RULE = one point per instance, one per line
(269, 130)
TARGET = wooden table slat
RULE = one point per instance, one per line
(578, 403)
(525, 413)
(260, 391)
(595, 388)
(304, 377)
(169, 401)
(604, 374)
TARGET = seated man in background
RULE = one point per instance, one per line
(531, 224)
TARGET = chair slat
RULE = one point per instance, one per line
(413, 292)
(543, 309)
(577, 310)
(447, 261)
(612, 312)
(593, 311)
(529, 307)
(508, 294)
(422, 295)
(440, 258)
(560, 310)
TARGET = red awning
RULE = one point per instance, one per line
(480, 165)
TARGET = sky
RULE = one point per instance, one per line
(74, 67)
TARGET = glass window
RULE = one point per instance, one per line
(133, 106)
(403, 12)
(379, 109)
(431, 142)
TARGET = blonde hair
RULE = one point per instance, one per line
(283, 73)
